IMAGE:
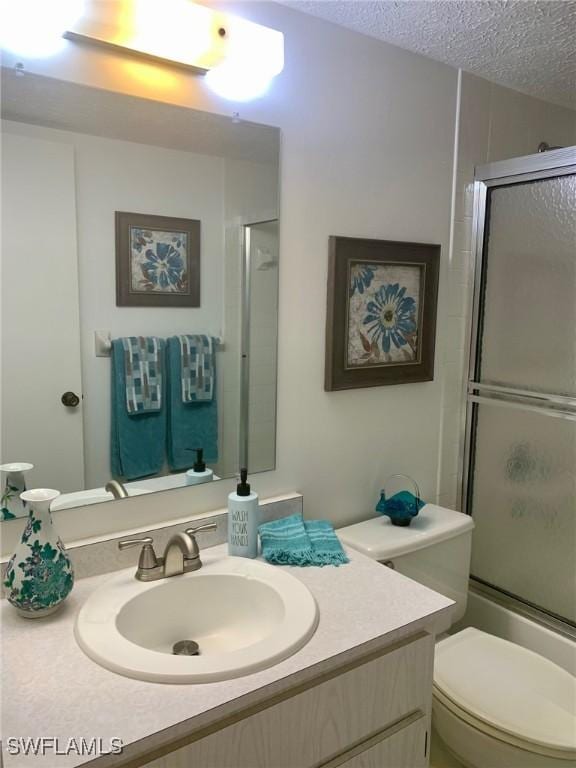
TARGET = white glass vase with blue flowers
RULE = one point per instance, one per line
(39, 575)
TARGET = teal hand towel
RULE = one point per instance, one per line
(326, 547)
(137, 442)
(197, 368)
(285, 541)
(143, 372)
(292, 541)
(190, 425)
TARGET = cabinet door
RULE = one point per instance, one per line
(407, 748)
(323, 722)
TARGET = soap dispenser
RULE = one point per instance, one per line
(199, 473)
(243, 520)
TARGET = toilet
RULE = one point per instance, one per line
(495, 704)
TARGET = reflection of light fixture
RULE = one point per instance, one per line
(241, 57)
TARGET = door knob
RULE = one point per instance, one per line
(70, 399)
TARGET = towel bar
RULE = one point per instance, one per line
(103, 343)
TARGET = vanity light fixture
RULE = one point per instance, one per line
(240, 57)
(34, 28)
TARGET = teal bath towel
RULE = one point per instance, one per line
(190, 425)
(137, 442)
(293, 541)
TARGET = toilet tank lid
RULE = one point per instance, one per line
(381, 540)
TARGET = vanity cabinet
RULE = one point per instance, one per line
(405, 748)
(370, 713)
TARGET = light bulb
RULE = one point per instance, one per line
(254, 56)
(237, 82)
(34, 28)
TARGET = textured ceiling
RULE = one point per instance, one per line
(71, 107)
(528, 45)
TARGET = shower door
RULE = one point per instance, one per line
(520, 461)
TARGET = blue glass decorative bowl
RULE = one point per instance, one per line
(402, 506)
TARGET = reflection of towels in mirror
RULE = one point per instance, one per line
(197, 368)
(138, 439)
(190, 424)
(143, 363)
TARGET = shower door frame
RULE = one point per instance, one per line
(244, 431)
(551, 164)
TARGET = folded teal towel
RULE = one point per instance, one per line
(197, 368)
(143, 363)
(285, 541)
(190, 425)
(326, 547)
(293, 541)
(137, 442)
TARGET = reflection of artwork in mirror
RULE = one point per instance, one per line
(157, 261)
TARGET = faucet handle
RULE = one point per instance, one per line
(127, 543)
(201, 528)
(193, 556)
(148, 557)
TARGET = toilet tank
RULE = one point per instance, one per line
(433, 550)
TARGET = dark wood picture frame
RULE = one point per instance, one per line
(187, 293)
(344, 252)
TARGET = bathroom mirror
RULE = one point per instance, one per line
(139, 293)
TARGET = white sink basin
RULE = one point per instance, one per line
(244, 615)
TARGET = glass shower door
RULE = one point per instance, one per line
(520, 474)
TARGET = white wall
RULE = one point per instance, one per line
(368, 134)
(111, 176)
(495, 123)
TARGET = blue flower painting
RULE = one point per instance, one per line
(383, 317)
(361, 275)
(158, 261)
(391, 317)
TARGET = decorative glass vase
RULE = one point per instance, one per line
(11, 505)
(39, 575)
(403, 505)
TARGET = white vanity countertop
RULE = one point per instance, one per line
(50, 688)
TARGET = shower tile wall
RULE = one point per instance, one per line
(495, 123)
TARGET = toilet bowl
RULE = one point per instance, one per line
(495, 704)
(498, 705)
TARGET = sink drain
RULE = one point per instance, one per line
(186, 648)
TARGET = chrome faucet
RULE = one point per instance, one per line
(116, 489)
(181, 555)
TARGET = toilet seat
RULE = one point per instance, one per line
(507, 692)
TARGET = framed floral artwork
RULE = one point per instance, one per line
(381, 319)
(157, 261)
